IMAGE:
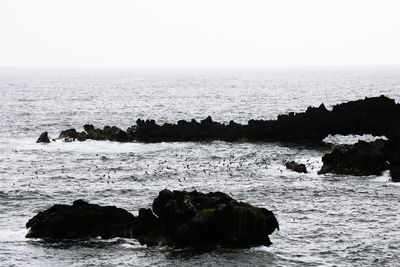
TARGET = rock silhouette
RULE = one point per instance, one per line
(297, 167)
(360, 159)
(107, 133)
(43, 138)
(178, 219)
(81, 220)
(395, 173)
(376, 115)
(365, 158)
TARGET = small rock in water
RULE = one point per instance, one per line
(297, 167)
(43, 138)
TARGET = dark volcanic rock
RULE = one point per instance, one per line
(116, 134)
(43, 138)
(81, 220)
(365, 158)
(395, 174)
(376, 115)
(107, 133)
(359, 159)
(297, 167)
(180, 219)
(72, 135)
(392, 153)
(193, 218)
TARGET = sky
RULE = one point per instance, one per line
(202, 33)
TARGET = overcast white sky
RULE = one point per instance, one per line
(202, 33)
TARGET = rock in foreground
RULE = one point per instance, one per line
(81, 220)
(178, 219)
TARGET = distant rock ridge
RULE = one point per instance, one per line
(177, 218)
(378, 116)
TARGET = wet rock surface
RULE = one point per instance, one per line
(177, 218)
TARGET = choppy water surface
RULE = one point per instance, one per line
(325, 220)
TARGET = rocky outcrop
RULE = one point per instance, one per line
(81, 220)
(364, 158)
(72, 135)
(107, 133)
(178, 218)
(376, 115)
(297, 167)
(213, 218)
(360, 159)
(43, 138)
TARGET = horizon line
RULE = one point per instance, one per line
(197, 67)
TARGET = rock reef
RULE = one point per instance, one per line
(177, 218)
(107, 133)
(377, 116)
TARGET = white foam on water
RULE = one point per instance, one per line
(13, 235)
(92, 146)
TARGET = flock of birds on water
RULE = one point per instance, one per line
(177, 166)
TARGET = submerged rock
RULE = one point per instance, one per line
(360, 159)
(297, 167)
(43, 138)
(180, 219)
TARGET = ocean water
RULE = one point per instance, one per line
(325, 220)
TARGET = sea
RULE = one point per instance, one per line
(325, 220)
